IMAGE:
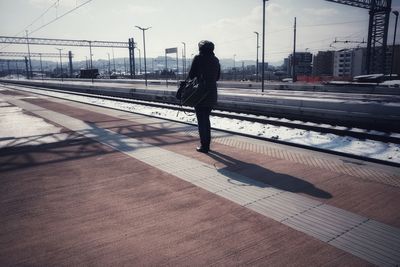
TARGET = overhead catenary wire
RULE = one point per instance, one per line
(300, 26)
(59, 17)
(288, 50)
(56, 3)
(33, 22)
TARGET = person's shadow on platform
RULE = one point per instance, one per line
(269, 178)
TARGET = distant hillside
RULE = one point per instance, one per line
(158, 62)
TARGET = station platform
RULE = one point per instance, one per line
(87, 185)
(346, 109)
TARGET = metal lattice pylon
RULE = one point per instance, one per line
(379, 12)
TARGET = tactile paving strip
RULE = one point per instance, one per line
(257, 146)
(370, 240)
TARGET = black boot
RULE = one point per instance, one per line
(202, 149)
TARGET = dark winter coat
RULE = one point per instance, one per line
(207, 64)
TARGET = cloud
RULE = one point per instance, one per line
(275, 9)
(321, 12)
(237, 34)
(57, 4)
(141, 10)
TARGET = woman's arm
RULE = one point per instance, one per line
(194, 69)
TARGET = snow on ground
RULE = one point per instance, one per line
(367, 148)
(18, 128)
(393, 83)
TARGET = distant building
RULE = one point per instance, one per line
(359, 66)
(348, 63)
(286, 65)
(323, 63)
(396, 60)
(342, 63)
(303, 64)
(260, 66)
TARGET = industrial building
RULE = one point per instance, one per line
(323, 63)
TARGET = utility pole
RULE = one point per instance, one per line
(294, 77)
(263, 49)
(140, 62)
(166, 69)
(59, 49)
(30, 74)
(91, 62)
(234, 67)
(26, 68)
(258, 46)
(184, 59)
(16, 67)
(242, 70)
(144, 51)
(177, 66)
(396, 13)
(109, 65)
(8, 67)
(71, 69)
(112, 49)
(41, 66)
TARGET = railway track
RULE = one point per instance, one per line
(380, 113)
(362, 134)
(340, 131)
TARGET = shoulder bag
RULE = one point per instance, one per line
(192, 92)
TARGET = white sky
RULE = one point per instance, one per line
(228, 23)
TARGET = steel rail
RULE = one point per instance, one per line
(307, 126)
(272, 140)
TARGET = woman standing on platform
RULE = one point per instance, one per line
(206, 65)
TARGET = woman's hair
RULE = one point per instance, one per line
(206, 46)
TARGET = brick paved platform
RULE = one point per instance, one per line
(95, 186)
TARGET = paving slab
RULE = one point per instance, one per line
(133, 209)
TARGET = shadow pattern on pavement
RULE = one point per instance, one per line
(270, 178)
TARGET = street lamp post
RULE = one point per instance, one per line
(16, 67)
(263, 48)
(90, 50)
(109, 65)
(59, 49)
(396, 13)
(257, 57)
(184, 59)
(113, 59)
(41, 65)
(144, 51)
(91, 60)
(30, 74)
(234, 67)
(140, 64)
(8, 67)
(294, 74)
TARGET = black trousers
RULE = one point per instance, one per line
(203, 121)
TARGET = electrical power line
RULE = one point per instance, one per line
(56, 3)
(41, 16)
(316, 25)
(291, 27)
(33, 22)
(335, 23)
(303, 43)
(59, 17)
